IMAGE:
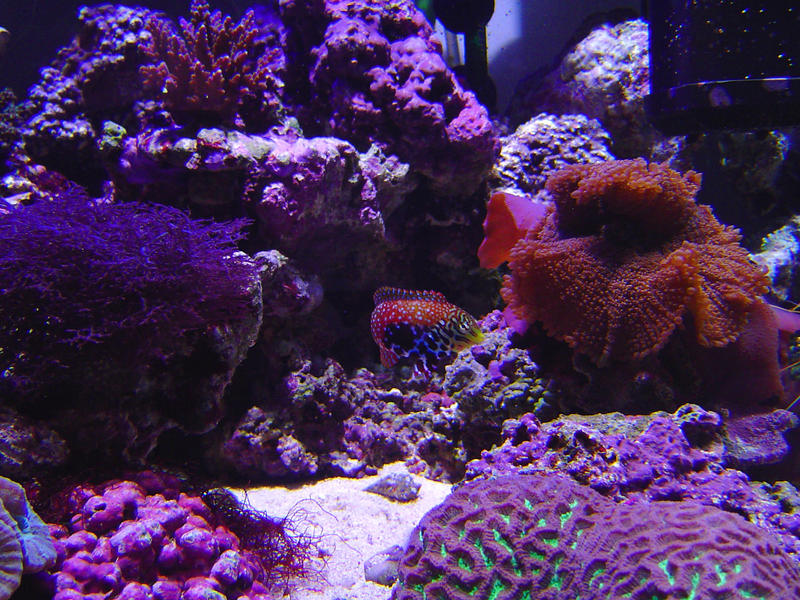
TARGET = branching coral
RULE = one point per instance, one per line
(625, 257)
(216, 67)
(82, 279)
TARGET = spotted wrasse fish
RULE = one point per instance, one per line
(419, 326)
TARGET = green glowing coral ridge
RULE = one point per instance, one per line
(601, 549)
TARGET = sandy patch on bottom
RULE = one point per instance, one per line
(353, 524)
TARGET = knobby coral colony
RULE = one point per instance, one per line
(623, 258)
(126, 541)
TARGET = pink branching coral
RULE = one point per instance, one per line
(213, 66)
(625, 257)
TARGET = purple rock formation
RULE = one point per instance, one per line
(376, 75)
(319, 421)
(99, 71)
(495, 379)
(605, 77)
(543, 145)
(28, 448)
(310, 194)
(681, 456)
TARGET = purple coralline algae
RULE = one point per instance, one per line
(543, 145)
(496, 379)
(682, 456)
(97, 72)
(548, 537)
(605, 77)
(309, 194)
(129, 543)
(328, 424)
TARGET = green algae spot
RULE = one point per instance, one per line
(746, 594)
(526, 595)
(551, 541)
(542, 522)
(528, 504)
(515, 566)
(443, 550)
(488, 562)
(536, 555)
(664, 566)
(463, 564)
(497, 587)
(695, 583)
(500, 540)
(470, 591)
(506, 518)
(462, 533)
(723, 576)
(595, 574)
(556, 581)
(737, 568)
(564, 518)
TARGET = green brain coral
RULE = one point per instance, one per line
(532, 537)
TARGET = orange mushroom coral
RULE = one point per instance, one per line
(625, 256)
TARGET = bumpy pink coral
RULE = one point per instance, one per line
(127, 543)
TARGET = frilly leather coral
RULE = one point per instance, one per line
(626, 256)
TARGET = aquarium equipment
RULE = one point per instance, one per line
(723, 65)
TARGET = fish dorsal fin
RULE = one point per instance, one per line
(387, 294)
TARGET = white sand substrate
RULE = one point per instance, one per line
(353, 525)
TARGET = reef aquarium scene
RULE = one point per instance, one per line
(399, 300)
